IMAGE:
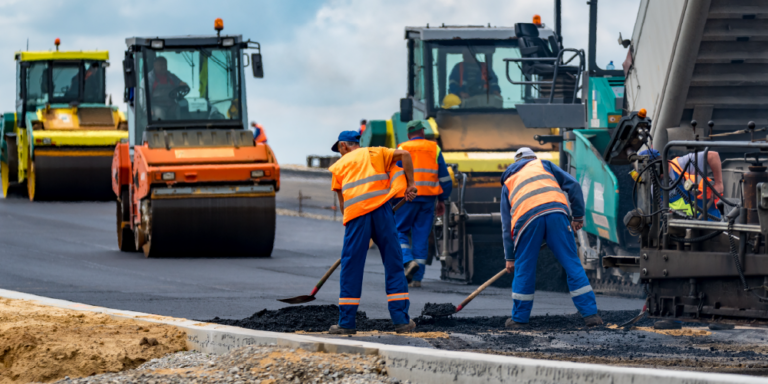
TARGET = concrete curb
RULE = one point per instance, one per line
(419, 365)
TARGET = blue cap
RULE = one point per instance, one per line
(352, 136)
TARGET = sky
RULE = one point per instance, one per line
(327, 64)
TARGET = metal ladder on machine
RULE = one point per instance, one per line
(549, 113)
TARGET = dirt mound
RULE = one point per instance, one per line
(44, 344)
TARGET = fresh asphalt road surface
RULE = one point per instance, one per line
(68, 251)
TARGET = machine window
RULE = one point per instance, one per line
(37, 84)
(471, 75)
(193, 84)
(66, 82)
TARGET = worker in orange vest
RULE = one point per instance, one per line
(541, 202)
(363, 124)
(365, 179)
(414, 220)
(259, 135)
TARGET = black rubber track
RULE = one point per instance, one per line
(73, 178)
(212, 227)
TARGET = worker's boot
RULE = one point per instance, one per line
(338, 330)
(411, 268)
(415, 284)
(593, 321)
(514, 325)
(403, 328)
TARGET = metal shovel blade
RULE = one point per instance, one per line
(298, 299)
(637, 318)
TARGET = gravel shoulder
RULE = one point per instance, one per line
(258, 365)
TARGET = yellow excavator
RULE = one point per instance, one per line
(60, 140)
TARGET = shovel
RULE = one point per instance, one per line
(637, 318)
(442, 310)
(311, 297)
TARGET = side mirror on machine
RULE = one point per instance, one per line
(406, 110)
(258, 67)
(129, 73)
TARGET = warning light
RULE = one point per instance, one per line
(537, 20)
(57, 42)
(218, 25)
(642, 113)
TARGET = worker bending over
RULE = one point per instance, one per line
(414, 219)
(535, 208)
(365, 179)
(679, 198)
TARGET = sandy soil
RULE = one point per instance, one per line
(43, 344)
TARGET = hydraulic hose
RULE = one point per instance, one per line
(699, 239)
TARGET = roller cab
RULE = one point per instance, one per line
(59, 142)
(192, 180)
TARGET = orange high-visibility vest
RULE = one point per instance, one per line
(676, 169)
(262, 137)
(531, 187)
(424, 157)
(364, 187)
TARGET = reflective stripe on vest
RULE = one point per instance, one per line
(531, 187)
(425, 169)
(363, 187)
(675, 168)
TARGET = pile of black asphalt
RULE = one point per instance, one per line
(318, 318)
(562, 337)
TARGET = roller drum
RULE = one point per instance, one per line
(212, 226)
(65, 175)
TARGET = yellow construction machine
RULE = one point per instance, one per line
(60, 139)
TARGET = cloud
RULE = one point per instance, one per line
(327, 64)
(349, 61)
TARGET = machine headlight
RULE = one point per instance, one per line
(157, 44)
(258, 173)
(47, 140)
(167, 176)
(228, 42)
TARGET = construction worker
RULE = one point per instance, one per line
(259, 134)
(684, 165)
(472, 79)
(365, 179)
(535, 208)
(414, 219)
(162, 83)
(363, 124)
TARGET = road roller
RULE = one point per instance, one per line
(191, 180)
(58, 143)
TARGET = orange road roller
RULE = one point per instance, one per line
(192, 180)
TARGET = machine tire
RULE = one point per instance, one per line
(125, 239)
(6, 178)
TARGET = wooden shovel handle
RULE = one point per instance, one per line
(325, 277)
(482, 288)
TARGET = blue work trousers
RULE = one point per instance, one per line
(414, 224)
(557, 231)
(378, 225)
